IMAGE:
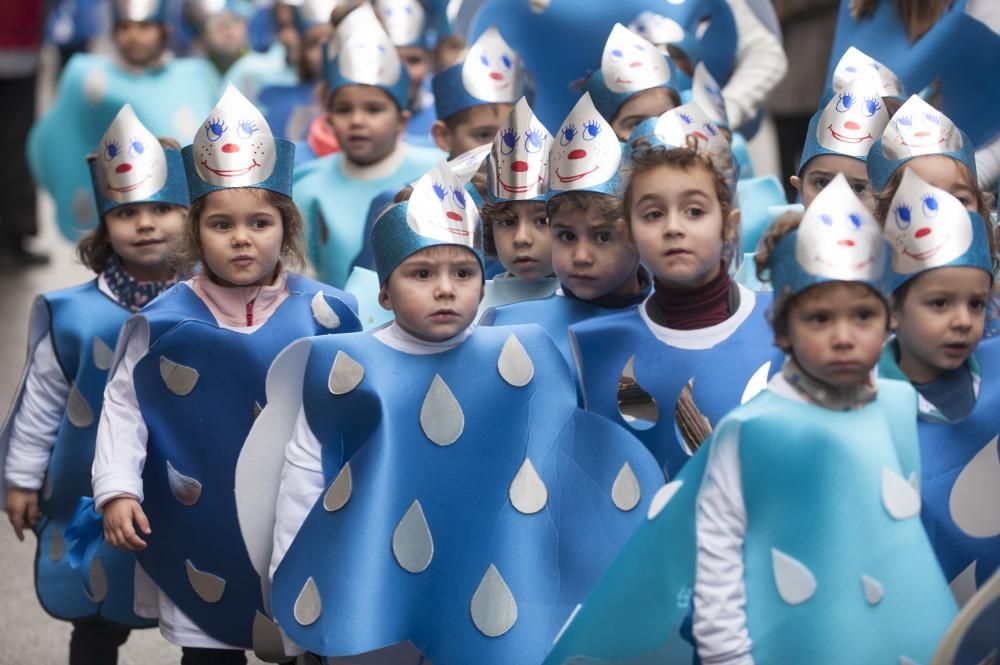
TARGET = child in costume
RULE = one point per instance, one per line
(406, 22)
(366, 97)
(515, 225)
(694, 349)
(942, 277)
(635, 81)
(440, 485)
(188, 380)
(593, 254)
(48, 437)
(794, 536)
(169, 94)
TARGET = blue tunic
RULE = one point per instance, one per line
(837, 567)
(960, 477)
(199, 388)
(289, 109)
(724, 375)
(335, 206)
(471, 504)
(84, 325)
(170, 100)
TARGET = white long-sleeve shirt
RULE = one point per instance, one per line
(122, 436)
(720, 620)
(760, 65)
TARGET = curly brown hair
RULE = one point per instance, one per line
(186, 254)
(496, 212)
(607, 207)
(684, 158)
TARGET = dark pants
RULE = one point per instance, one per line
(17, 202)
(96, 642)
(199, 656)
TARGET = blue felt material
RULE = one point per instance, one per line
(201, 435)
(720, 372)
(757, 197)
(170, 101)
(174, 191)
(289, 109)
(548, 559)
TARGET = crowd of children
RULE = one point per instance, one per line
(590, 395)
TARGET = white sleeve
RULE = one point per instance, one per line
(35, 425)
(302, 483)
(760, 65)
(121, 434)
(988, 165)
(720, 624)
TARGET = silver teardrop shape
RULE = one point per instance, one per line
(527, 492)
(494, 610)
(77, 410)
(340, 491)
(257, 408)
(514, 363)
(57, 545)
(692, 425)
(102, 354)
(963, 587)
(47, 487)
(98, 580)
(757, 383)
(185, 489)
(266, 636)
(308, 605)
(662, 498)
(795, 583)
(873, 590)
(900, 499)
(180, 379)
(441, 415)
(412, 543)
(636, 407)
(975, 495)
(625, 492)
(346, 374)
(323, 313)
(209, 587)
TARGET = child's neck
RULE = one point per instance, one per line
(632, 292)
(827, 395)
(380, 169)
(694, 308)
(401, 338)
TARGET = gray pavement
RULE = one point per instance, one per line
(28, 636)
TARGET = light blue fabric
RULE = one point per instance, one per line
(170, 101)
(335, 206)
(547, 556)
(757, 197)
(256, 71)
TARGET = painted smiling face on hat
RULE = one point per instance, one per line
(365, 53)
(630, 63)
(926, 227)
(492, 71)
(687, 124)
(585, 151)
(235, 146)
(853, 119)
(657, 28)
(838, 238)
(404, 20)
(706, 92)
(131, 164)
(855, 64)
(440, 209)
(314, 12)
(918, 128)
(519, 158)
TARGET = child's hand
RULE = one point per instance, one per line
(119, 514)
(22, 510)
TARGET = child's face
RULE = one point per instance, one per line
(225, 35)
(141, 233)
(678, 225)
(947, 174)
(241, 237)
(417, 61)
(822, 169)
(940, 321)
(641, 106)
(140, 43)
(524, 245)
(311, 51)
(836, 331)
(366, 122)
(478, 127)
(435, 292)
(591, 254)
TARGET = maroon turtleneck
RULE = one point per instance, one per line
(691, 309)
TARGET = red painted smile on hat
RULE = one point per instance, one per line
(574, 178)
(517, 189)
(849, 139)
(129, 188)
(230, 173)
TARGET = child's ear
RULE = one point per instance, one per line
(782, 342)
(730, 225)
(795, 182)
(384, 300)
(441, 135)
(893, 319)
